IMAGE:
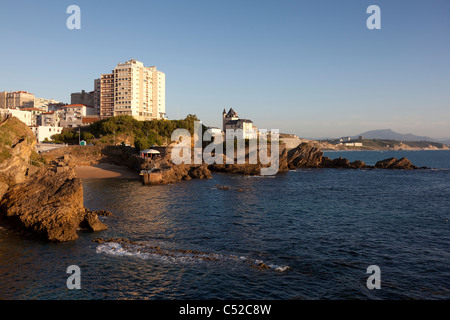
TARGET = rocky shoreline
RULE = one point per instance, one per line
(306, 155)
(48, 199)
(49, 204)
(38, 198)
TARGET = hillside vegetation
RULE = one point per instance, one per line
(127, 130)
(13, 131)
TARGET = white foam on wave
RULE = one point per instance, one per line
(281, 268)
(144, 252)
(272, 266)
(260, 176)
(174, 256)
(116, 249)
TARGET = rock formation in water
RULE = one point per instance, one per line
(304, 155)
(394, 163)
(49, 204)
(307, 156)
(37, 199)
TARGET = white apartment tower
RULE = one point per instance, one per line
(138, 91)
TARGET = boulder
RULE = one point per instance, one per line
(51, 205)
(394, 163)
(200, 172)
(37, 199)
(175, 173)
(358, 164)
(92, 223)
(305, 155)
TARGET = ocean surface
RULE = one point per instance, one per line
(314, 232)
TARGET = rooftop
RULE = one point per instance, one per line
(30, 109)
(239, 120)
(76, 106)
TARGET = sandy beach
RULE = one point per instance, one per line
(105, 171)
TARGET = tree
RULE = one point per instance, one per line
(87, 136)
(141, 143)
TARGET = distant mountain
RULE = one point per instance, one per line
(388, 134)
(444, 140)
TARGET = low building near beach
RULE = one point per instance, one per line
(44, 133)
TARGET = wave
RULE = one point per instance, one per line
(260, 176)
(146, 252)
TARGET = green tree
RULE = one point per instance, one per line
(87, 136)
(141, 143)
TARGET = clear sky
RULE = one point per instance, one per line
(308, 67)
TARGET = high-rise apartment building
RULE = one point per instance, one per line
(107, 95)
(133, 89)
(97, 96)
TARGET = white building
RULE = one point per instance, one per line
(72, 115)
(42, 103)
(233, 126)
(51, 118)
(24, 116)
(43, 132)
(353, 144)
(35, 115)
(135, 90)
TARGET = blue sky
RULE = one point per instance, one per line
(306, 67)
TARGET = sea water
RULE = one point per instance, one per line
(304, 234)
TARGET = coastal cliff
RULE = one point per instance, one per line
(17, 144)
(33, 197)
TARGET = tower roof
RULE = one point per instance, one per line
(231, 113)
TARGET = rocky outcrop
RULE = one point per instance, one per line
(51, 205)
(252, 169)
(307, 155)
(17, 143)
(226, 188)
(199, 172)
(342, 163)
(37, 199)
(176, 173)
(304, 155)
(394, 163)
